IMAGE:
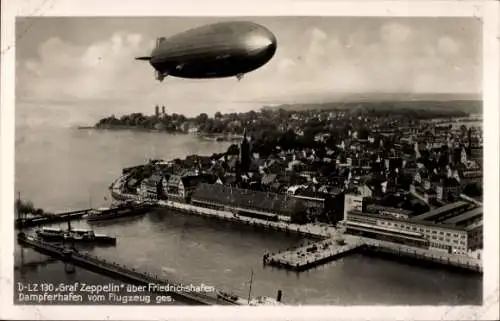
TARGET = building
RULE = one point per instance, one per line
(445, 212)
(352, 202)
(269, 206)
(448, 189)
(175, 188)
(471, 177)
(424, 194)
(472, 222)
(245, 153)
(453, 228)
(152, 188)
(313, 202)
(181, 187)
(392, 211)
(409, 232)
(475, 236)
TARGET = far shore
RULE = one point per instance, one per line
(214, 137)
(130, 128)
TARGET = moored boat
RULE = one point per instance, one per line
(74, 235)
(48, 233)
(231, 297)
(129, 208)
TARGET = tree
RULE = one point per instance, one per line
(24, 206)
(473, 190)
(463, 129)
(201, 118)
(233, 150)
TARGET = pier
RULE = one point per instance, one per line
(311, 255)
(50, 218)
(115, 270)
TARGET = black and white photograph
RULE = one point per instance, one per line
(249, 161)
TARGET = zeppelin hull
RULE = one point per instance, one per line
(214, 51)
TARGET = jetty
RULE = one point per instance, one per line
(116, 270)
(44, 219)
(311, 255)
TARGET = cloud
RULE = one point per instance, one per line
(394, 58)
(399, 60)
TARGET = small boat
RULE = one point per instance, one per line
(48, 233)
(129, 208)
(231, 297)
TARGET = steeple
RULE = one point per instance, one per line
(245, 152)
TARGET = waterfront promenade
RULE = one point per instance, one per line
(311, 229)
(327, 233)
(331, 234)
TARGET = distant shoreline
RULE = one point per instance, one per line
(209, 137)
(130, 128)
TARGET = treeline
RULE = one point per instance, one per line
(447, 107)
(164, 122)
(27, 207)
(305, 116)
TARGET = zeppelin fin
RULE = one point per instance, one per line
(143, 58)
(160, 76)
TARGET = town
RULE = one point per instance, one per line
(407, 176)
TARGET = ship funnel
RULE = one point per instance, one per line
(279, 295)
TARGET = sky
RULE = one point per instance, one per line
(80, 61)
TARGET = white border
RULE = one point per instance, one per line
(487, 11)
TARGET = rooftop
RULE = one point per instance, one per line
(459, 219)
(435, 213)
(407, 221)
(391, 209)
(244, 198)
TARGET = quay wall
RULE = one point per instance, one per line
(309, 230)
(374, 247)
(423, 258)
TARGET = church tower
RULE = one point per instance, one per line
(245, 153)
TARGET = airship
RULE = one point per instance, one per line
(219, 50)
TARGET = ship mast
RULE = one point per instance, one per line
(250, 288)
